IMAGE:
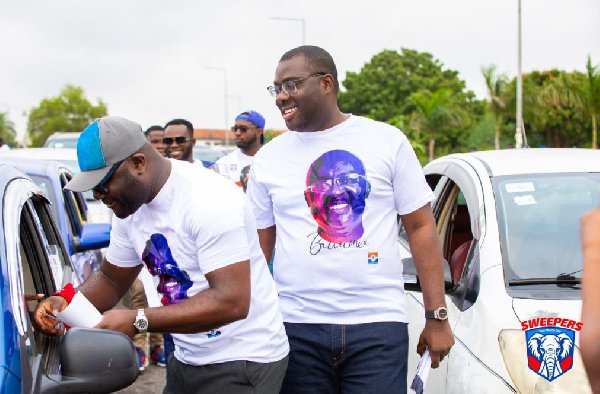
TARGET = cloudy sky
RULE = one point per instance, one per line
(147, 59)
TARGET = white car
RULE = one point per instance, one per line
(60, 140)
(509, 226)
(98, 212)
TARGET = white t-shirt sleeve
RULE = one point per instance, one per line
(120, 251)
(219, 233)
(411, 191)
(260, 201)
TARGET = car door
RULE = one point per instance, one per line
(457, 213)
(37, 263)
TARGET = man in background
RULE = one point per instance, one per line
(179, 142)
(248, 131)
(155, 135)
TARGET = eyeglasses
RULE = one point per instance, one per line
(100, 188)
(243, 129)
(342, 180)
(289, 87)
(179, 140)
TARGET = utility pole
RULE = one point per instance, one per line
(519, 128)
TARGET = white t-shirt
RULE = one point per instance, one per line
(236, 166)
(334, 197)
(200, 222)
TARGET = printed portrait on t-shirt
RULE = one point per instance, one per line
(336, 193)
(244, 177)
(174, 282)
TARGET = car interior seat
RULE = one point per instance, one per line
(458, 260)
(460, 241)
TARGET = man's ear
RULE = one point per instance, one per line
(138, 161)
(328, 83)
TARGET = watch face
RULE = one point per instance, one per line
(442, 313)
(141, 325)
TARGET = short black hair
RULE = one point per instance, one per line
(153, 128)
(318, 59)
(184, 122)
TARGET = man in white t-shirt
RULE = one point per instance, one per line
(248, 130)
(195, 231)
(327, 194)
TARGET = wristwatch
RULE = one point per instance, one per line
(440, 314)
(141, 322)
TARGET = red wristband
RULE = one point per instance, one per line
(67, 292)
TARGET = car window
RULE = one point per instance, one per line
(72, 208)
(45, 185)
(538, 219)
(79, 200)
(70, 143)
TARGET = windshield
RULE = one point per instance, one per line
(70, 143)
(45, 185)
(538, 218)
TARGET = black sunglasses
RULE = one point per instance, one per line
(179, 140)
(243, 129)
(100, 188)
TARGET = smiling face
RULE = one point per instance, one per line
(305, 110)
(179, 151)
(336, 192)
(126, 193)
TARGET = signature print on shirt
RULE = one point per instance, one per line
(336, 192)
(174, 282)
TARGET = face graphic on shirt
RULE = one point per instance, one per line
(174, 282)
(244, 177)
(336, 192)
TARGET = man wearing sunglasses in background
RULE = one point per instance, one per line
(219, 300)
(329, 192)
(248, 130)
(179, 142)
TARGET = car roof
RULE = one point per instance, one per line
(34, 167)
(535, 160)
(41, 153)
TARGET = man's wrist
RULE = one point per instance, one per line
(67, 292)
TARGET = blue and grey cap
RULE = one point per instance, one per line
(100, 146)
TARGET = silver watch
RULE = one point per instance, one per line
(141, 322)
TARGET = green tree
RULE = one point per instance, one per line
(7, 130)
(591, 94)
(496, 85)
(68, 112)
(434, 113)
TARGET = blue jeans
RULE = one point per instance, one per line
(358, 358)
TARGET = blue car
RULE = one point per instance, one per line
(34, 260)
(70, 210)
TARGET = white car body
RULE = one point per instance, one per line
(98, 212)
(476, 363)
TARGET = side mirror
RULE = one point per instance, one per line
(93, 361)
(411, 279)
(93, 236)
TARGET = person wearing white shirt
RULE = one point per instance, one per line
(328, 193)
(248, 130)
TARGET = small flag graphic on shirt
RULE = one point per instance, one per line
(373, 257)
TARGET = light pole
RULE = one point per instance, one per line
(225, 96)
(281, 18)
(519, 129)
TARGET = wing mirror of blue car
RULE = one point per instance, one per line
(93, 236)
(112, 367)
(411, 279)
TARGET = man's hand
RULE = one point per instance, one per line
(50, 306)
(119, 320)
(438, 338)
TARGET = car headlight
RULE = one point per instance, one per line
(514, 353)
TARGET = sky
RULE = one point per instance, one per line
(207, 61)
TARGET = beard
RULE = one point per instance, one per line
(187, 153)
(247, 144)
(133, 199)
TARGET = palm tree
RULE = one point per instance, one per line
(592, 98)
(496, 85)
(432, 113)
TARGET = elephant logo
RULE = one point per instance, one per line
(550, 351)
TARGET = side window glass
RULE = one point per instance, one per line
(80, 201)
(71, 208)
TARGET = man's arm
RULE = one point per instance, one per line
(266, 238)
(590, 296)
(427, 254)
(225, 301)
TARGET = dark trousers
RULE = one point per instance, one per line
(360, 358)
(243, 377)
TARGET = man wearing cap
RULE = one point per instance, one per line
(248, 131)
(218, 298)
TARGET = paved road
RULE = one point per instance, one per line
(151, 381)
